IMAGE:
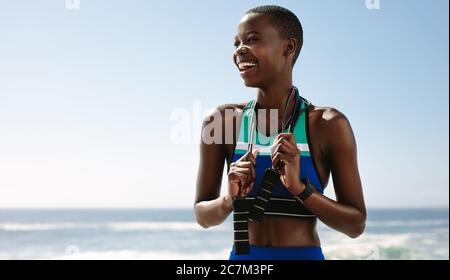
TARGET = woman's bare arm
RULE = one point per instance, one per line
(210, 208)
(348, 213)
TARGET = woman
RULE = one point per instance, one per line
(313, 143)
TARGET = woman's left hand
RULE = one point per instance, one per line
(284, 151)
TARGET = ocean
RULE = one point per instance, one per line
(174, 234)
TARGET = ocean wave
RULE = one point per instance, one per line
(369, 246)
(411, 223)
(113, 226)
(174, 226)
(74, 253)
(157, 226)
(40, 226)
(431, 245)
(146, 255)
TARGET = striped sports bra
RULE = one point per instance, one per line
(282, 202)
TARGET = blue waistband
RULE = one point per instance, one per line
(280, 253)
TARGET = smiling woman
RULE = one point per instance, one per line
(260, 33)
(313, 143)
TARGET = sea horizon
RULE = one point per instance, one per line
(186, 208)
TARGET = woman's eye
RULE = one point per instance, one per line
(252, 40)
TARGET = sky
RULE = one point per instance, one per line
(88, 95)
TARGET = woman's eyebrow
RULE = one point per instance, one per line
(248, 33)
(252, 32)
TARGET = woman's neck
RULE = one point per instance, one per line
(275, 97)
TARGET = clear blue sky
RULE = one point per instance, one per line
(86, 95)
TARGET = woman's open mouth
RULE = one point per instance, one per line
(247, 67)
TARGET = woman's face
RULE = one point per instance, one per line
(259, 51)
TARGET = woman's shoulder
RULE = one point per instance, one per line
(326, 114)
(226, 112)
(227, 116)
(330, 122)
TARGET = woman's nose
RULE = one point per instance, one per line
(241, 49)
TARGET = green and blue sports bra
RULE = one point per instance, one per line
(282, 202)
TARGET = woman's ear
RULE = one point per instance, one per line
(291, 46)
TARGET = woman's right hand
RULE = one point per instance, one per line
(242, 174)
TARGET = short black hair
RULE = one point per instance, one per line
(285, 21)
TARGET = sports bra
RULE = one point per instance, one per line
(282, 202)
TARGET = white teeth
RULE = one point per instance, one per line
(243, 65)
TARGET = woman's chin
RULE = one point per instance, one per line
(250, 83)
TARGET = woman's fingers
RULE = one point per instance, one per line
(246, 175)
(288, 136)
(247, 161)
(275, 145)
(285, 139)
(248, 156)
(238, 180)
(243, 172)
(248, 189)
(283, 147)
(248, 165)
(242, 164)
(254, 154)
(237, 177)
(283, 157)
(291, 146)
